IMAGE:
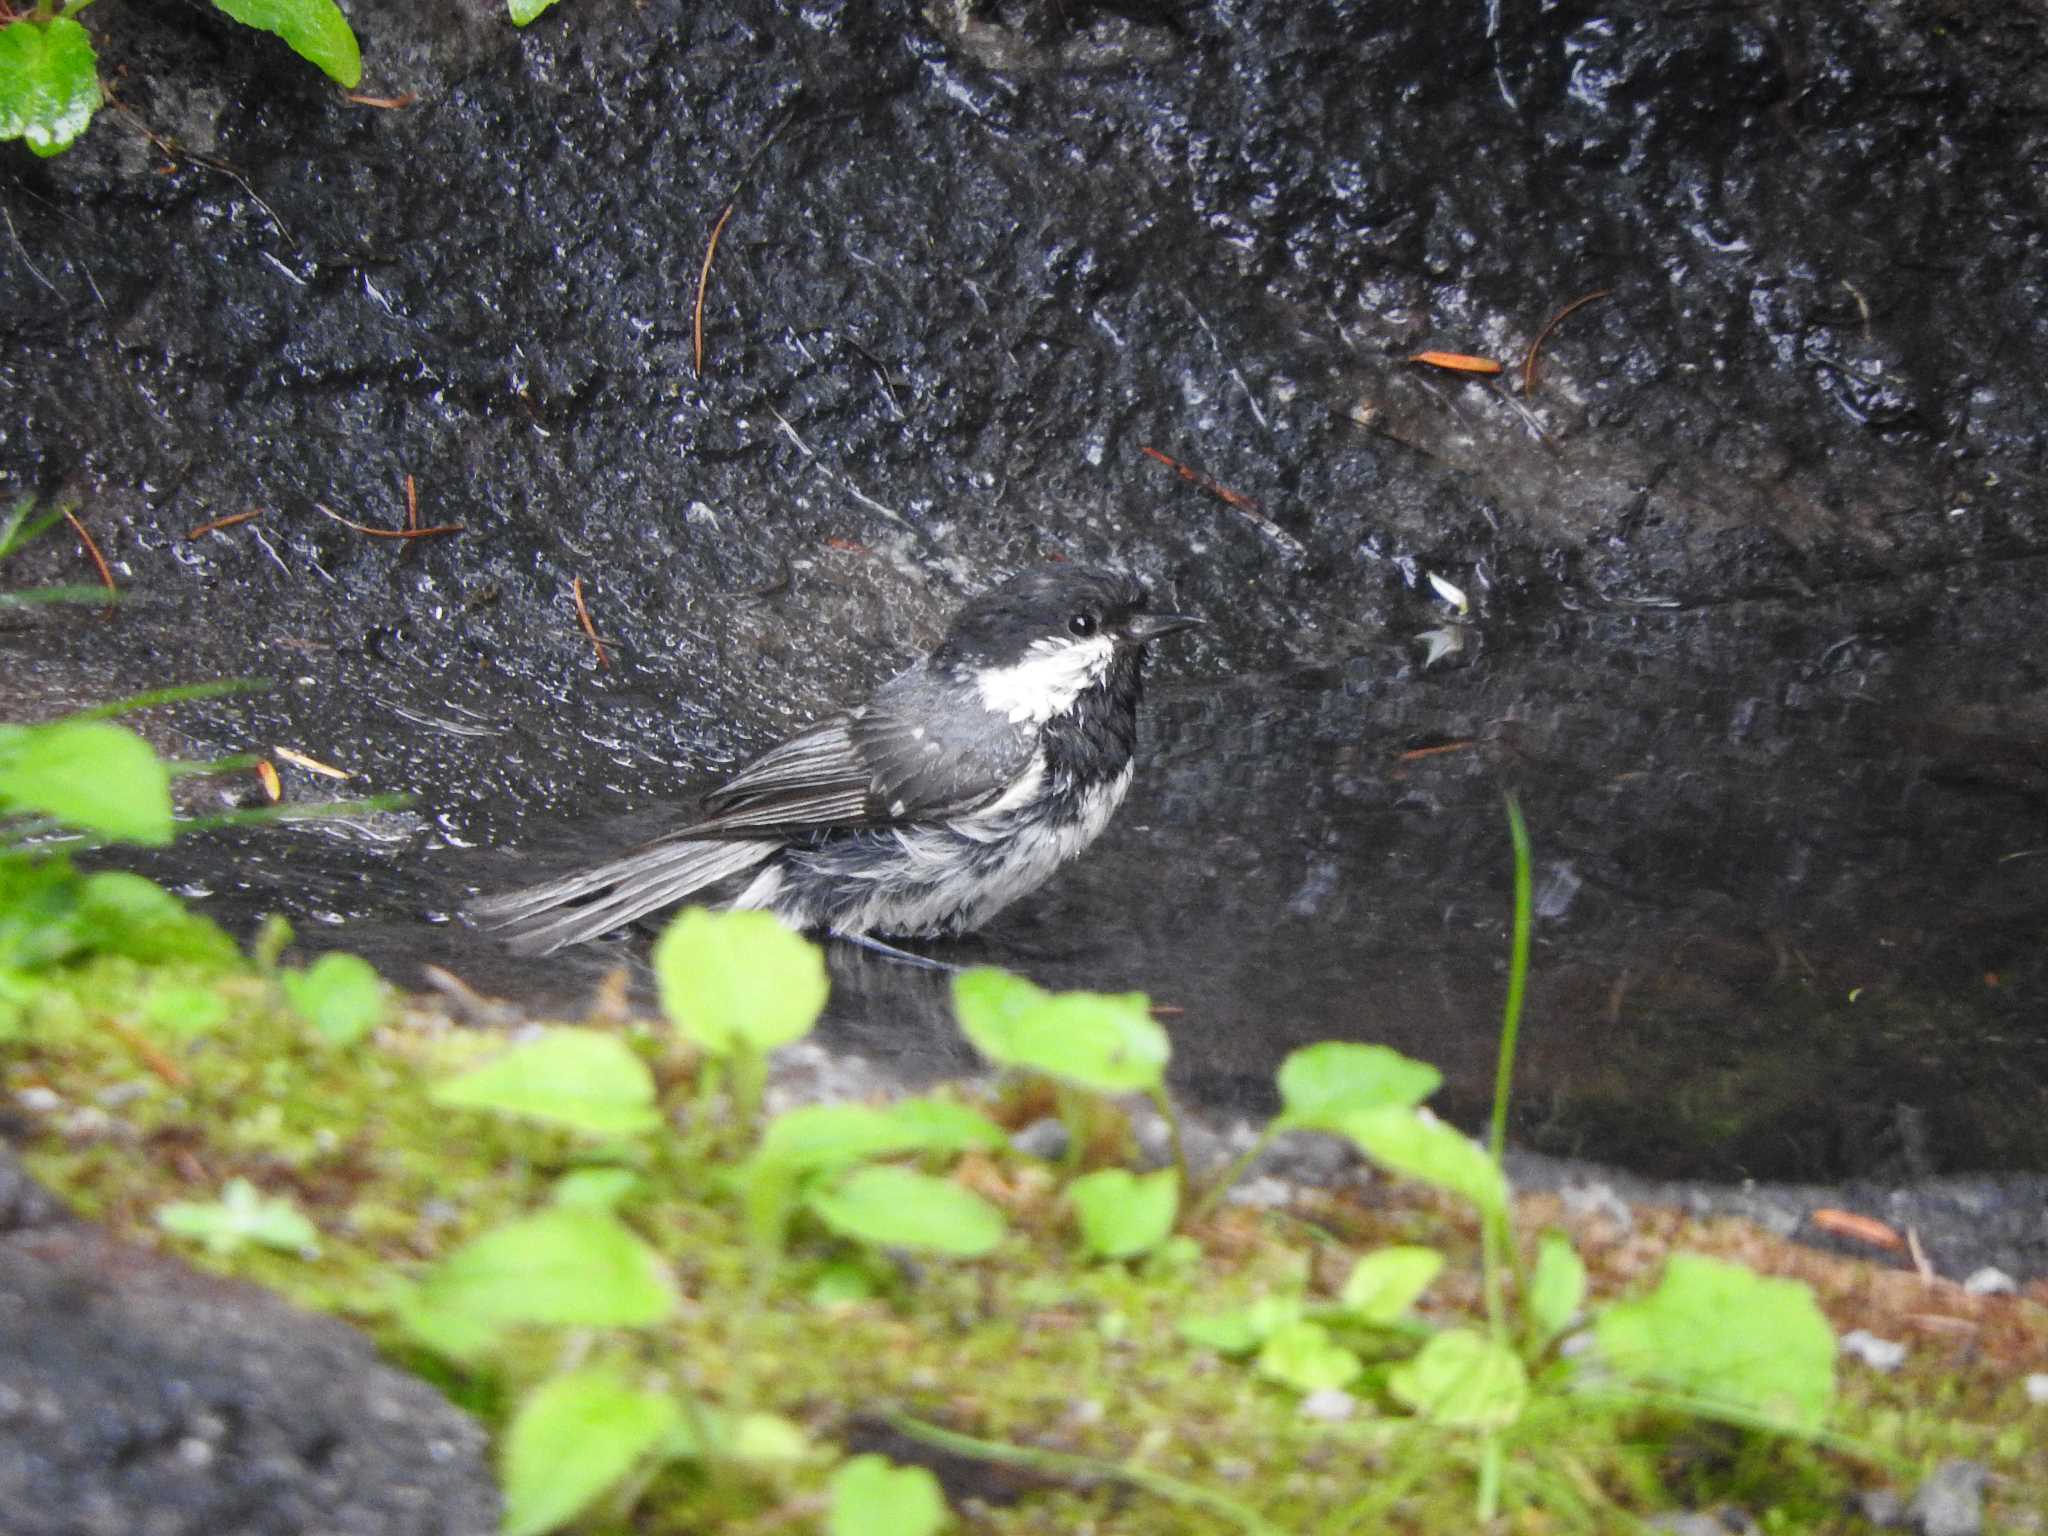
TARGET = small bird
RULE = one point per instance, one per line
(961, 785)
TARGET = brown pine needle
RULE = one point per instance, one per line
(387, 533)
(145, 1048)
(1414, 754)
(383, 103)
(590, 629)
(224, 522)
(92, 549)
(704, 283)
(1529, 362)
(412, 505)
(311, 764)
(1457, 362)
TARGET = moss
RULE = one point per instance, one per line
(1028, 1346)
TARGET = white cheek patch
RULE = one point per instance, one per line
(1051, 676)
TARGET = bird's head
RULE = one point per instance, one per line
(1033, 645)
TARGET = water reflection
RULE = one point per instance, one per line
(1789, 917)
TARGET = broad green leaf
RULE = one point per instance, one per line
(1463, 1380)
(1123, 1214)
(596, 1188)
(738, 978)
(575, 1437)
(49, 83)
(124, 914)
(766, 1437)
(1557, 1288)
(1103, 1041)
(240, 1216)
(896, 1208)
(834, 1135)
(872, 1498)
(1304, 1356)
(1726, 1334)
(1320, 1084)
(584, 1079)
(1417, 1145)
(88, 773)
(184, 1012)
(313, 29)
(40, 918)
(523, 11)
(1241, 1330)
(1385, 1284)
(340, 995)
(567, 1265)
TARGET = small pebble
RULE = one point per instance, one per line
(1950, 1502)
(1265, 1192)
(2037, 1388)
(1042, 1138)
(1331, 1405)
(1883, 1508)
(1991, 1282)
(1879, 1354)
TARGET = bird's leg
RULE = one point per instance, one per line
(924, 962)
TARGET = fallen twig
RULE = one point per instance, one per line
(388, 533)
(1529, 362)
(224, 522)
(1237, 501)
(590, 629)
(92, 549)
(704, 283)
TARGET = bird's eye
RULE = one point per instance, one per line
(1082, 624)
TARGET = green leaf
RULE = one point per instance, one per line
(1723, 1333)
(819, 1136)
(242, 1216)
(523, 11)
(1385, 1284)
(1304, 1356)
(1557, 1288)
(766, 1437)
(184, 1012)
(896, 1208)
(1417, 1145)
(40, 919)
(313, 29)
(340, 995)
(49, 83)
(124, 914)
(872, 1498)
(1241, 1330)
(87, 773)
(572, 1439)
(1320, 1084)
(584, 1079)
(598, 1189)
(568, 1265)
(1124, 1214)
(1463, 1380)
(1106, 1042)
(738, 978)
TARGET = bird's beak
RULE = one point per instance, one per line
(1146, 627)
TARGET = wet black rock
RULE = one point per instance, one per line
(140, 1398)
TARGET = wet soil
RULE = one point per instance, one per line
(1752, 566)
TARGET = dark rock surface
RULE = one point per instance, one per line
(1753, 568)
(140, 1398)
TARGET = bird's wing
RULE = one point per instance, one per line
(917, 750)
(934, 749)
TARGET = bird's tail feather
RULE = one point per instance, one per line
(557, 913)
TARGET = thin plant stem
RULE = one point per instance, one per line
(1074, 1116)
(1491, 1460)
(1173, 1136)
(1518, 977)
(1064, 1464)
